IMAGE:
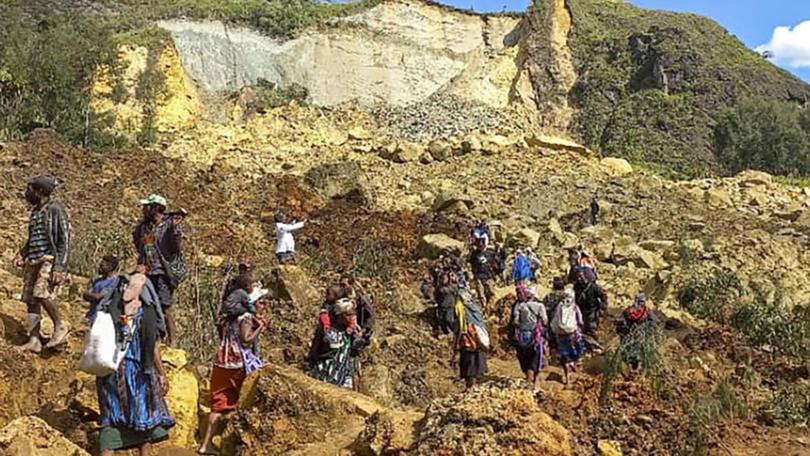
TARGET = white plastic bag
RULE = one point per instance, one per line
(483, 336)
(101, 356)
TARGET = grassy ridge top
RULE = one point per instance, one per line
(651, 83)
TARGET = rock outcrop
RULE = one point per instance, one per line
(30, 436)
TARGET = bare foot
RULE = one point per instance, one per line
(59, 336)
(207, 451)
(33, 346)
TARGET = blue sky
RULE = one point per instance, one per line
(755, 22)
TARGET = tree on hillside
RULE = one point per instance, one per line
(767, 135)
(50, 62)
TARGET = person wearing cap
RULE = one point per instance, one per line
(331, 355)
(285, 242)
(237, 355)
(158, 239)
(529, 319)
(44, 259)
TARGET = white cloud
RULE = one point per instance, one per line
(790, 46)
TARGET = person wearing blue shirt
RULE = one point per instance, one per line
(101, 286)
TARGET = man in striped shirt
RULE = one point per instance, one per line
(44, 258)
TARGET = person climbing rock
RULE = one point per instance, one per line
(331, 356)
(285, 242)
(158, 239)
(236, 357)
(471, 338)
(591, 300)
(101, 286)
(595, 210)
(481, 265)
(44, 258)
(132, 405)
(566, 325)
(529, 320)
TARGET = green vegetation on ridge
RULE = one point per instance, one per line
(652, 84)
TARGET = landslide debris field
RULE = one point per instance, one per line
(418, 120)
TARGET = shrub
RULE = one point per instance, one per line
(374, 260)
(711, 297)
(768, 135)
(89, 246)
(763, 322)
(642, 348)
(273, 96)
(708, 411)
(791, 405)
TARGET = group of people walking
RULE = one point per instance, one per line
(133, 410)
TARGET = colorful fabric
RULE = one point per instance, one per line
(338, 367)
(226, 384)
(570, 347)
(152, 240)
(229, 354)
(130, 398)
(522, 269)
(38, 244)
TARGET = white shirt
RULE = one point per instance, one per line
(284, 239)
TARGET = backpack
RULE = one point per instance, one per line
(565, 319)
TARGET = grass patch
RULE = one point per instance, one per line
(89, 246)
(708, 411)
(374, 260)
(791, 405)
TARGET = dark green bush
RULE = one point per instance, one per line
(772, 136)
(711, 297)
(643, 348)
(791, 405)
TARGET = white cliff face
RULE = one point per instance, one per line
(395, 53)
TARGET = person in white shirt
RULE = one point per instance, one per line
(285, 242)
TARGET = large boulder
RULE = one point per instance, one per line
(432, 245)
(523, 238)
(499, 418)
(449, 199)
(752, 178)
(182, 398)
(803, 221)
(31, 436)
(718, 198)
(387, 432)
(403, 152)
(616, 166)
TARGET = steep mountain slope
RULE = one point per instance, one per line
(650, 83)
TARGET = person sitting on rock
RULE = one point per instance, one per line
(101, 286)
(472, 338)
(330, 357)
(285, 242)
(236, 356)
(481, 265)
(529, 320)
(566, 325)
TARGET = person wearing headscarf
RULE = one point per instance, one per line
(529, 320)
(567, 328)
